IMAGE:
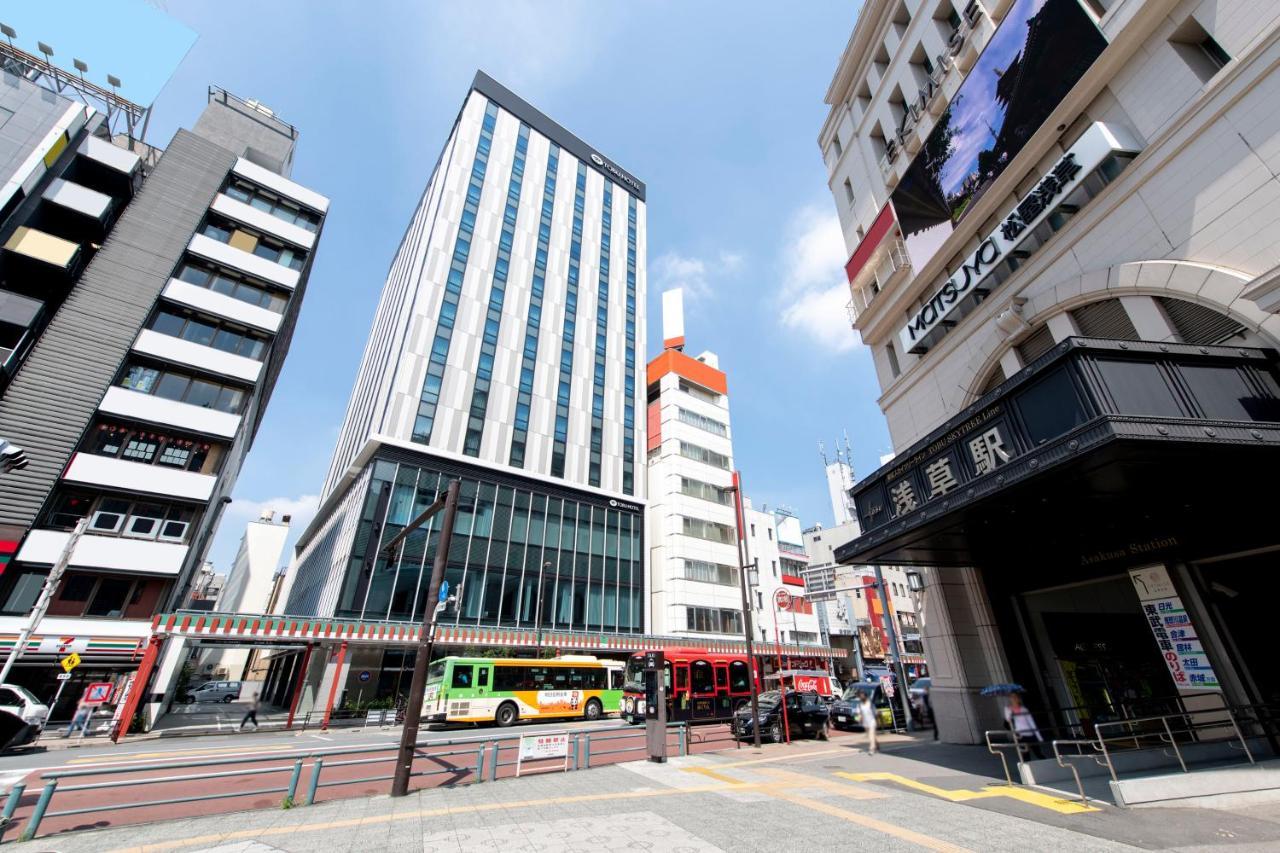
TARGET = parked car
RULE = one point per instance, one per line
(22, 716)
(846, 716)
(806, 717)
(215, 691)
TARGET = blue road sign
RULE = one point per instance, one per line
(444, 591)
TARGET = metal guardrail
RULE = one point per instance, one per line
(485, 749)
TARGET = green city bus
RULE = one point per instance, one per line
(502, 690)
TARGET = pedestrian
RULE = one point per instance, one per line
(928, 709)
(251, 714)
(79, 720)
(1023, 726)
(867, 716)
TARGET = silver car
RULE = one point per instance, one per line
(215, 691)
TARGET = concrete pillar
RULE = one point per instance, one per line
(1061, 326)
(1010, 362)
(168, 668)
(964, 652)
(1148, 318)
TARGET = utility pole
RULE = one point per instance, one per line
(746, 607)
(896, 649)
(426, 639)
(42, 602)
(537, 613)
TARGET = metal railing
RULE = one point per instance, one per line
(481, 753)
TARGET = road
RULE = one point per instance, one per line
(176, 769)
(808, 796)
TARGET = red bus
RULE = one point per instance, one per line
(702, 686)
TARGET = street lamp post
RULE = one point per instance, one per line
(42, 601)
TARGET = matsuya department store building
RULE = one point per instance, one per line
(1079, 368)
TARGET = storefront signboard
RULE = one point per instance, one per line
(1174, 632)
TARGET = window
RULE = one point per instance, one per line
(705, 572)
(706, 491)
(140, 449)
(181, 388)
(759, 600)
(461, 675)
(1199, 50)
(227, 337)
(702, 454)
(709, 530)
(123, 517)
(892, 354)
(702, 422)
(268, 202)
(753, 531)
(848, 192)
(110, 516)
(146, 446)
(699, 393)
(739, 677)
(836, 146)
(247, 240)
(110, 598)
(713, 620)
(231, 284)
(23, 592)
(701, 677)
(769, 530)
(77, 587)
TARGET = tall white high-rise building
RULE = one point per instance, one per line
(502, 353)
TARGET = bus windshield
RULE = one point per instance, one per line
(435, 672)
(635, 674)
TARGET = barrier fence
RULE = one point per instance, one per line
(471, 760)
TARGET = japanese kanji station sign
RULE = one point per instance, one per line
(1002, 251)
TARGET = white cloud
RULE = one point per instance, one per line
(814, 293)
(695, 275)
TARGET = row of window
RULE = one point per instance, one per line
(629, 378)
(264, 247)
(596, 447)
(699, 393)
(546, 677)
(219, 334)
(122, 516)
(231, 284)
(712, 531)
(560, 441)
(183, 388)
(702, 454)
(497, 295)
(524, 398)
(703, 422)
(713, 620)
(706, 491)
(705, 572)
(148, 447)
(425, 421)
(260, 199)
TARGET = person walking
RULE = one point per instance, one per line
(251, 714)
(79, 720)
(1023, 725)
(867, 716)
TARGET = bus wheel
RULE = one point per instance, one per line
(507, 714)
(593, 710)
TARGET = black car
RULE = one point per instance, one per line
(806, 717)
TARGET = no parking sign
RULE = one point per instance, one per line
(98, 692)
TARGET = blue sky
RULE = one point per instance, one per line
(716, 107)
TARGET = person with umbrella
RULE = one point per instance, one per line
(1017, 718)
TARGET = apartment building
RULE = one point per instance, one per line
(1063, 255)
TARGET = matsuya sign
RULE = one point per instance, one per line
(973, 280)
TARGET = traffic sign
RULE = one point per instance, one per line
(782, 598)
(64, 676)
(444, 591)
(98, 692)
(70, 662)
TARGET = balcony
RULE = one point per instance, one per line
(250, 264)
(46, 249)
(254, 218)
(157, 410)
(79, 199)
(195, 355)
(112, 553)
(280, 184)
(890, 265)
(221, 305)
(128, 476)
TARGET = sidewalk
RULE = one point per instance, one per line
(808, 796)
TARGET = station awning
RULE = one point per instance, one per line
(1099, 451)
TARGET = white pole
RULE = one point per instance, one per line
(42, 602)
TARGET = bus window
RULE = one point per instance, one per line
(701, 679)
(461, 675)
(739, 677)
(682, 677)
(722, 677)
(615, 679)
(482, 676)
(436, 671)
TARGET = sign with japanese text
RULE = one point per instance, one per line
(1173, 630)
(533, 747)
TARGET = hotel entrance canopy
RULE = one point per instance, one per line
(1099, 451)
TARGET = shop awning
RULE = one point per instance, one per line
(1098, 451)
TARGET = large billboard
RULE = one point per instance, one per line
(1030, 64)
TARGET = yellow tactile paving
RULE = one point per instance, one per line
(960, 795)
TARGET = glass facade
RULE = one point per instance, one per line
(561, 441)
(514, 541)
(520, 435)
(426, 418)
(629, 382)
(497, 294)
(602, 338)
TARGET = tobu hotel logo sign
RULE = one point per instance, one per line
(613, 170)
(624, 505)
(969, 283)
